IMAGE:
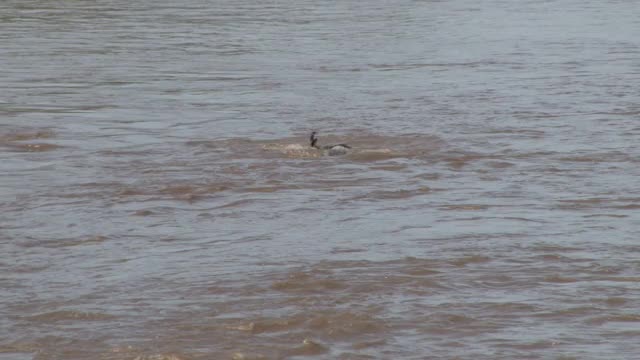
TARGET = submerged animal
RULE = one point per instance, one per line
(331, 150)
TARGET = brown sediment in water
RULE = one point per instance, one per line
(159, 199)
(27, 141)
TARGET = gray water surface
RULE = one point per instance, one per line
(158, 198)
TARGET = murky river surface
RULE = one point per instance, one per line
(159, 200)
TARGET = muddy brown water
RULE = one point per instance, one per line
(158, 198)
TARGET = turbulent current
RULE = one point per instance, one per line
(159, 198)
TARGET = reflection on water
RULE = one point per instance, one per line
(160, 200)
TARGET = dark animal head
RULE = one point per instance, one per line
(313, 139)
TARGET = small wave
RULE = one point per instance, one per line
(159, 357)
(374, 154)
(52, 244)
(21, 141)
(26, 136)
(615, 301)
(64, 315)
(294, 150)
(38, 147)
(132, 353)
(472, 259)
(472, 207)
(559, 279)
(308, 348)
(393, 194)
(306, 283)
(19, 347)
(248, 356)
(268, 325)
(600, 320)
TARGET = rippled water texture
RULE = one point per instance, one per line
(159, 200)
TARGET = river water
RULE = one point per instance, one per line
(159, 200)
